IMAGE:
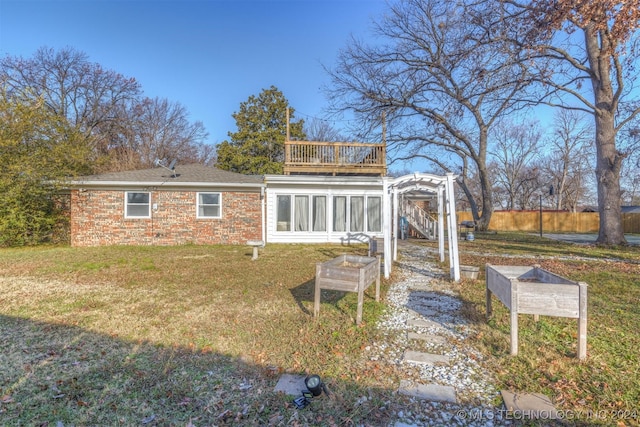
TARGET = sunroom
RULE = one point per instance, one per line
(352, 209)
(316, 209)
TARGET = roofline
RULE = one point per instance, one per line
(199, 184)
(320, 179)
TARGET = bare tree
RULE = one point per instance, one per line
(86, 94)
(514, 149)
(568, 161)
(534, 187)
(630, 173)
(321, 130)
(583, 54)
(441, 85)
(163, 130)
(125, 130)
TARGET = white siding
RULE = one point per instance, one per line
(324, 186)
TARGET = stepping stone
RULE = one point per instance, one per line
(423, 323)
(529, 405)
(424, 292)
(425, 358)
(420, 288)
(421, 311)
(432, 392)
(291, 384)
(433, 339)
(426, 301)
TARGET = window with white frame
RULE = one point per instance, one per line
(357, 213)
(283, 214)
(356, 216)
(301, 213)
(340, 213)
(309, 213)
(137, 204)
(374, 213)
(319, 213)
(209, 205)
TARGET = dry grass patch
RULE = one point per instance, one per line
(608, 380)
(172, 335)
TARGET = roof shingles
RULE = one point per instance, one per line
(194, 173)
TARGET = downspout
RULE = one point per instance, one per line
(386, 226)
(441, 234)
(262, 213)
(394, 230)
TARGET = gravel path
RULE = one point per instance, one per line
(423, 296)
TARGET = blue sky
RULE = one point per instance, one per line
(208, 55)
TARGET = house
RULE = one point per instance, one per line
(189, 204)
(630, 209)
(353, 202)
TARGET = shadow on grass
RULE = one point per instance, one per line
(53, 374)
(304, 295)
(305, 292)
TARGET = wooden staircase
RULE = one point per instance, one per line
(422, 222)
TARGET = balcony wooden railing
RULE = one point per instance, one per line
(334, 158)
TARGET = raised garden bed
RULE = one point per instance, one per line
(533, 290)
(348, 273)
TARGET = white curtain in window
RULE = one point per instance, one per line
(284, 213)
(301, 213)
(319, 213)
(373, 214)
(357, 213)
(339, 213)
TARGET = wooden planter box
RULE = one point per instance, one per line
(348, 273)
(469, 271)
(533, 290)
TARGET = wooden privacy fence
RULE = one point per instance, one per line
(552, 221)
(631, 222)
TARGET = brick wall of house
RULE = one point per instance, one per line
(97, 218)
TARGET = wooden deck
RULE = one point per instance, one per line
(334, 158)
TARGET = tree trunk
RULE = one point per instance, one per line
(484, 218)
(482, 214)
(609, 160)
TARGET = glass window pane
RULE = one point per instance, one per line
(209, 205)
(319, 213)
(137, 197)
(137, 204)
(210, 211)
(374, 213)
(339, 213)
(302, 213)
(284, 213)
(138, 210)
(209, 198)
(357, 213)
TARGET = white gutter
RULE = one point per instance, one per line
(386, 219)
(139, 184)
(263, 219)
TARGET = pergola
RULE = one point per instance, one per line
(419, 186)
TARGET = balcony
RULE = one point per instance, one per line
(334, 158)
